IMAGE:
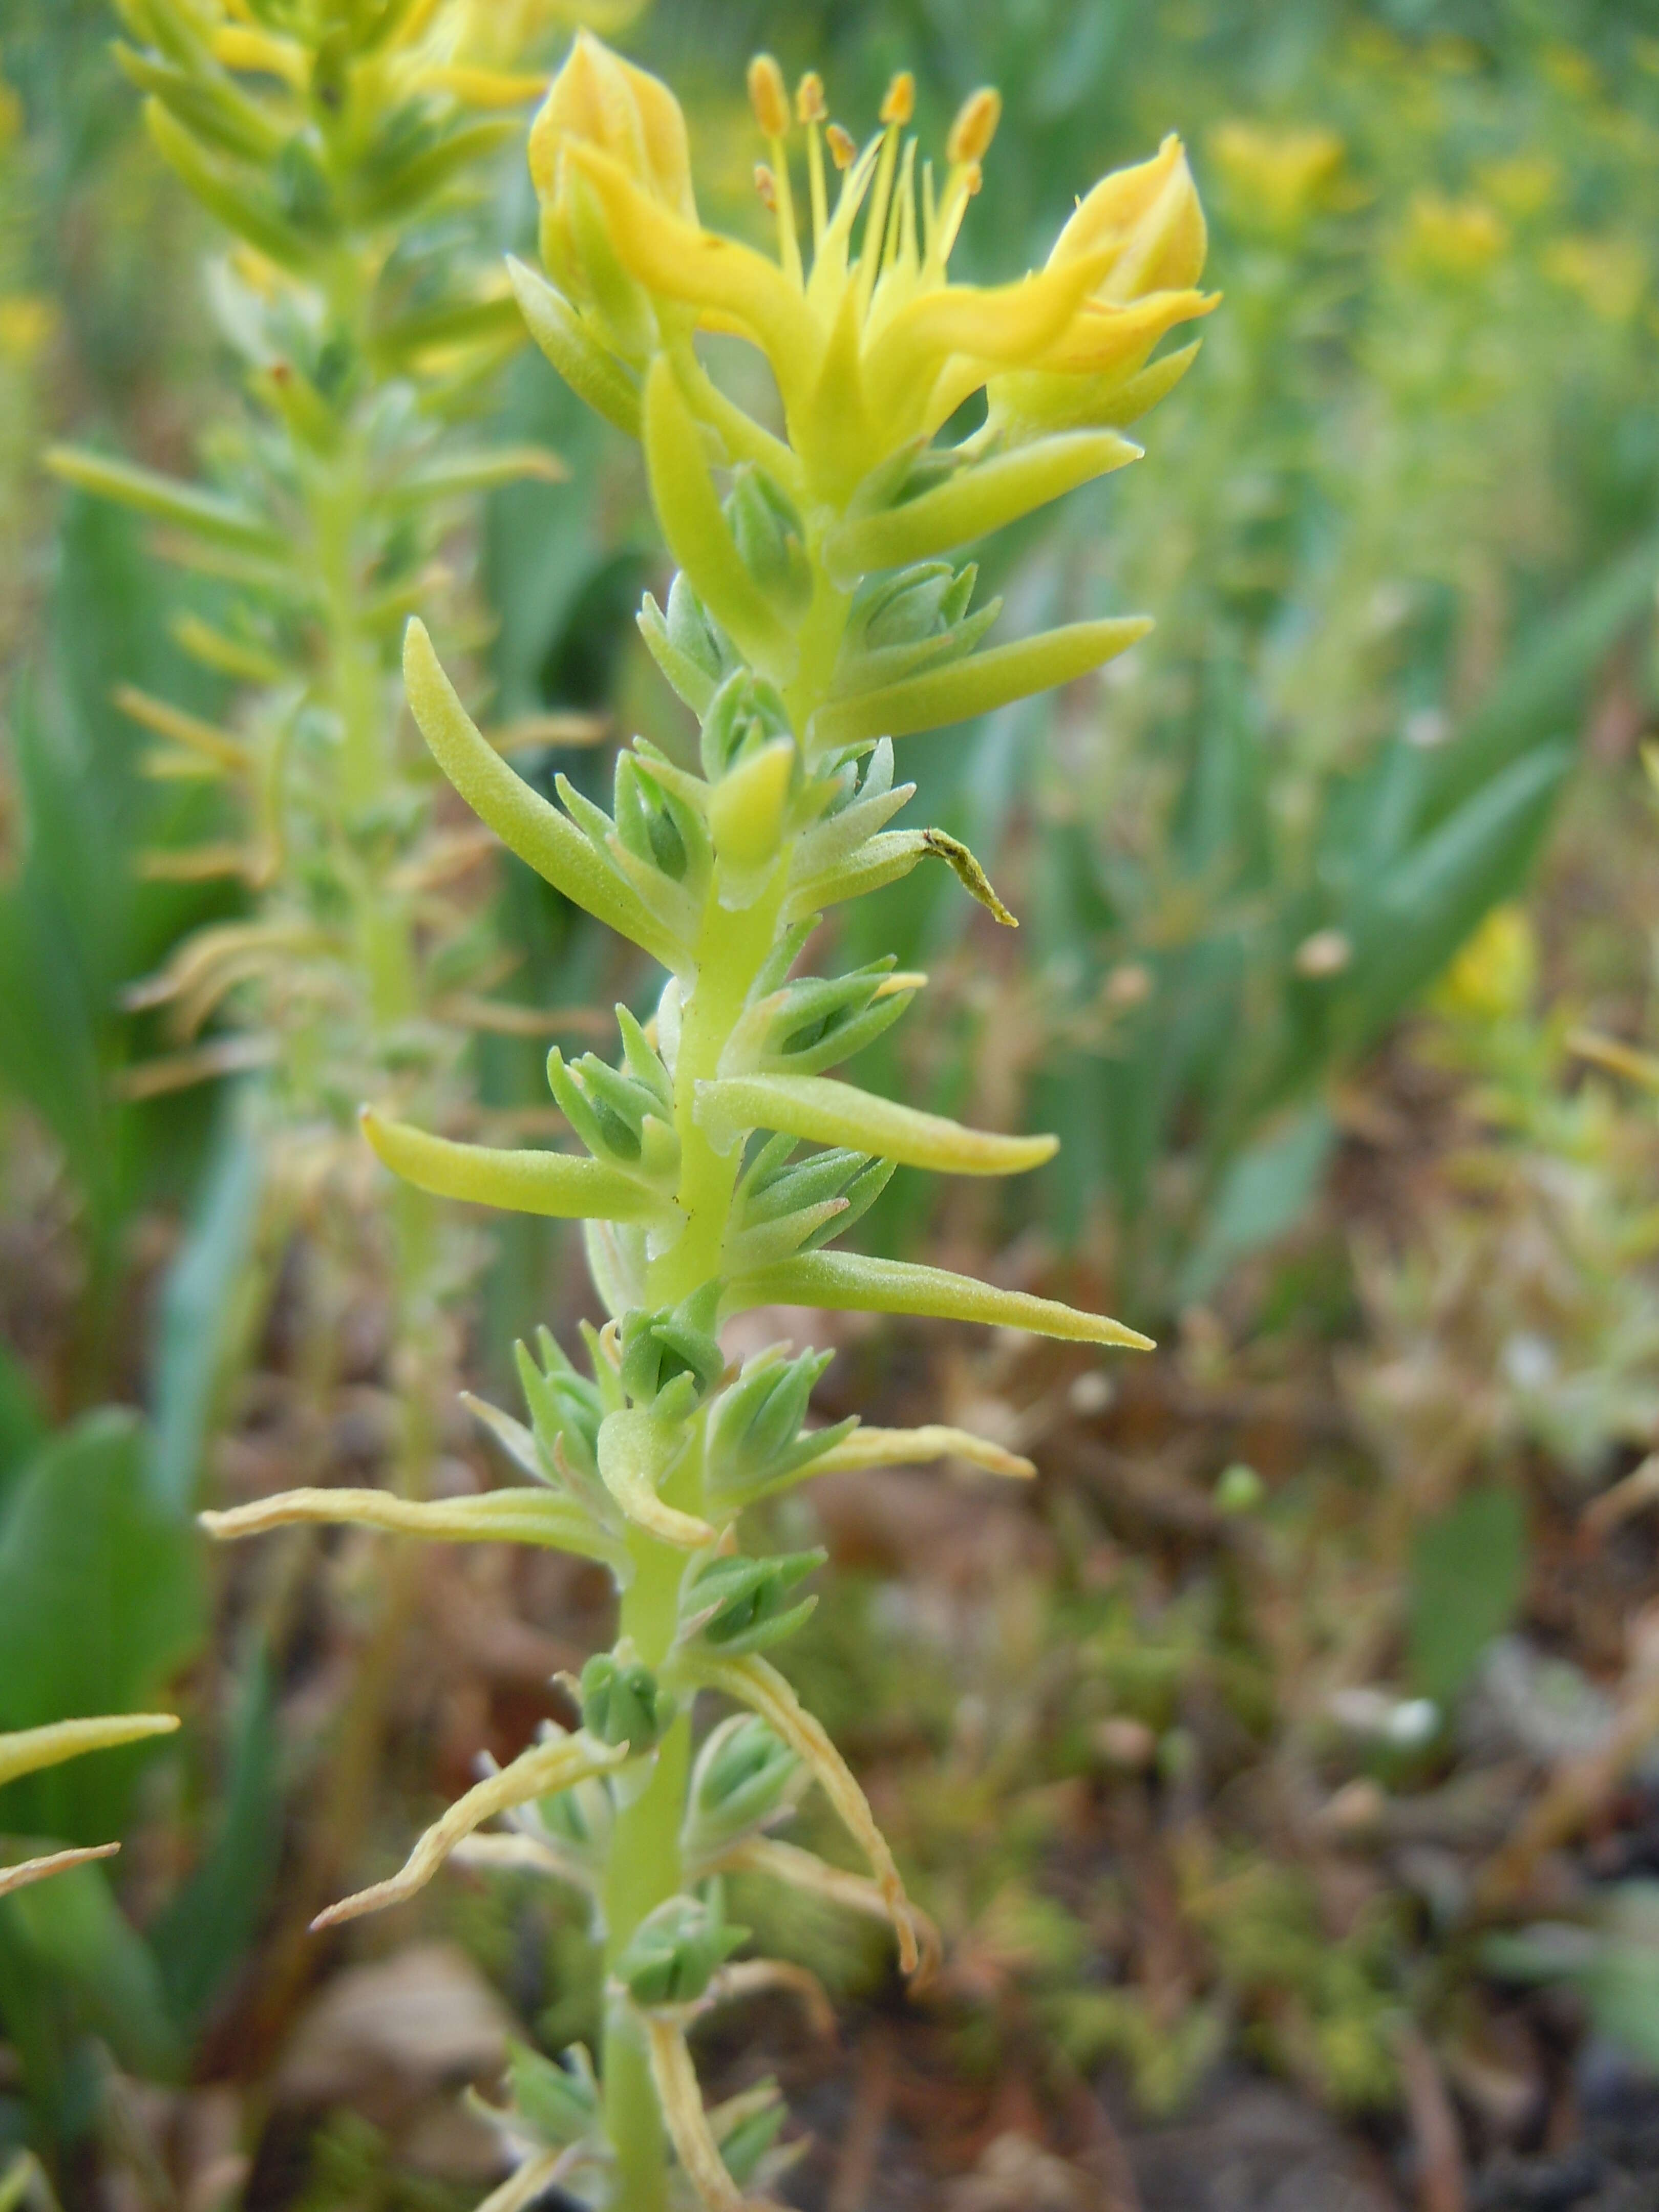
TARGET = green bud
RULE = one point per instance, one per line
(565, 1408)
(659, 1348)
(736, 1605)
(673, 1953)
(745, 2146)
(1239, 1489)
(769, 537)
(746, 713)
(693, 632)
(622, 1701)
(744, 1775)
(558, 2103)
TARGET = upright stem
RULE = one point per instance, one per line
(645, 1867)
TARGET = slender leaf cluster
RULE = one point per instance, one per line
(819, 611)
(345, 146)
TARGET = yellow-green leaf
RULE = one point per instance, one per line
(824, 1112)
(563, 1185)
(853, 1282)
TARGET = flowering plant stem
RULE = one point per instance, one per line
(816, 614)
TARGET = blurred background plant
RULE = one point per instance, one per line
(1319, 1656)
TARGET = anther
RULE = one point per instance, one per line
(809, 99)
(843, 147)
(976, 125)
(769, 97)
(900, 104)
(972, 178)
(766, 185)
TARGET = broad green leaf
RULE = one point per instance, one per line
(210, 1919)
(1261, 1195)
(1467, 1577)
(199, 1307)
(101, 1603)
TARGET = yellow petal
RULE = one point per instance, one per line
(599, 99)
(1010, 325)
(1106, 336)
(675, 259)
(1150, 220)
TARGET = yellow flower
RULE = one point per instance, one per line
(27, 321)
(600, 106)
(1453, 238)
(1276, 178)
(1609, 274)
(1496, 973)
(871, 345)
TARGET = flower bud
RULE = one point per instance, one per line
(769, 537)
(744, 1773)
(622, 1701)
(745, 714)
(738, 1605)
(1150, 218)
(599, 100)
(672, 1954)
(658, 1348)
(558, 2103)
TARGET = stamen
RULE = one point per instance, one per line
(811, 109)
(896, 111)
(843, 147)
(767, 96)
(770, 98)
(975, 127)
(766, 185)
(900, 105)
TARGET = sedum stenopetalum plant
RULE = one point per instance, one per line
(818, 613)
(347, 150)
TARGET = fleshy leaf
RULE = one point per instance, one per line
(698, 535)
(866, 1448)
(538, 1772)
(636, 1452)
(977, 500)
(560, 1184)
(853, 1282)
(593, 373)
(526, 823)
(518, 1515)
(976, 686)
(825, 1112)
(27, 1750)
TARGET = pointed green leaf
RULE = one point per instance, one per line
(976, 685)
(186, 507)
(825, 1112)
(524, 821)
(689, 509)
(518, 1515)
(560, 332)
(974, 502)
(560, 1184)
(854, 1283)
